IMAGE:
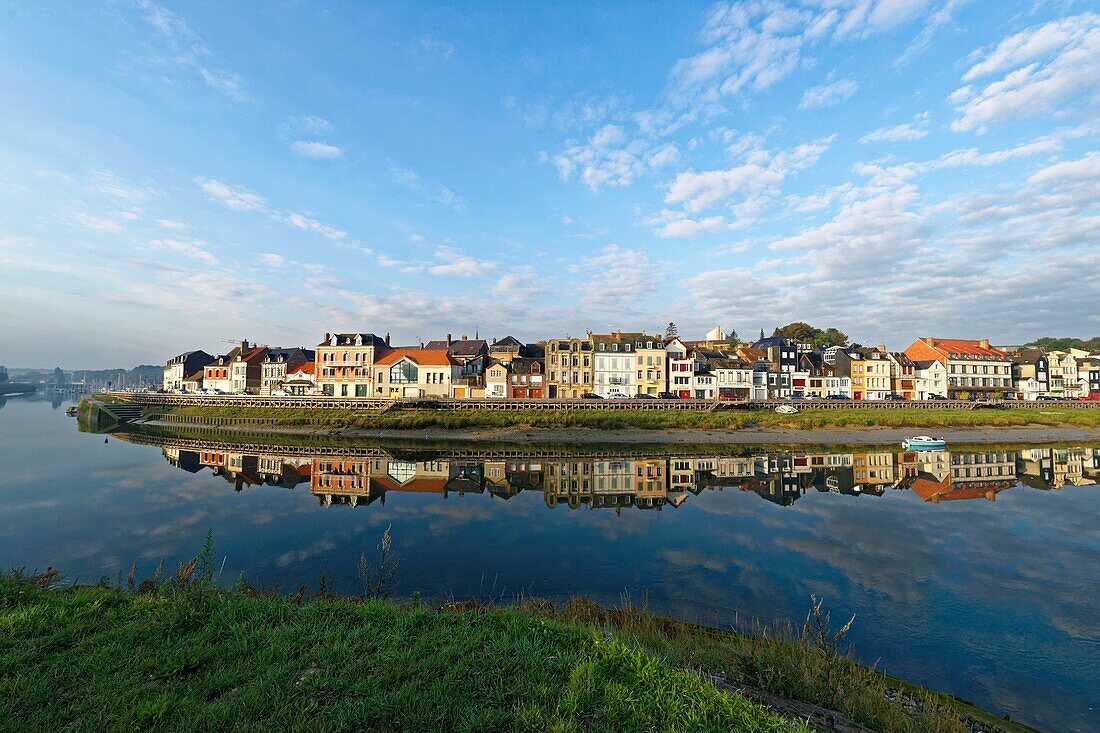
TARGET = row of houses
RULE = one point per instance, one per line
(624, 364)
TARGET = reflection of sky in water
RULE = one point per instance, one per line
(994, 601)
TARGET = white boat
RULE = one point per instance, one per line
(923, 442)
(786, 409)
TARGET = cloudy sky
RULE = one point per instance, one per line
(172, 175)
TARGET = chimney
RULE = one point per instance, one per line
(464, 337)
(422, 343)
(984, 343)
(244, 346)
(327, 336)
(387, 338)
(448, 340)
(494, 340)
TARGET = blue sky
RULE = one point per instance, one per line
(172, 175)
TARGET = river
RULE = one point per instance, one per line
(975, 572)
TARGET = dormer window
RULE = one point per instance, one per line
(628, 347)
(602, 346)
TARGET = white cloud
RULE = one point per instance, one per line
(225, 82)
(828, 95)
(684, 228)
(436, 48)
(186, 51)
(172, 224)
(96, 223)
(1070, 171)
(412, 180)
(618, 277)
(317, 149)
(239, 198)
(752, 185)
(1053, 68)
(916, 130)
(456, 263)
(195, 248)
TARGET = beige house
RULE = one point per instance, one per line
(568, 368)
(412, 372)
(344, 363)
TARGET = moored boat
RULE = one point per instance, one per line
(923, 442)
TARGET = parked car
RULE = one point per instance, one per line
(893, 396)
(936, 397)
(643, 396)
(838, 397)
(590, 396)
(618, 396)
(278, 393)
(1047, 398)
(667, 396)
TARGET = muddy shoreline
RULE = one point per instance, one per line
(744, 436)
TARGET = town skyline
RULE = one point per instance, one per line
(885, 168)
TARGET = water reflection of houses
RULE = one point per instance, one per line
(240, 469)
(947, 476)
(1053, 468)
(639, 482)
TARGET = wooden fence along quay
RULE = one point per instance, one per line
(169, 401)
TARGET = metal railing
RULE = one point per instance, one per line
(153, 399)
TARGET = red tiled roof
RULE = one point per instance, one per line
(422, 357)
(306, 368)
(968, 347)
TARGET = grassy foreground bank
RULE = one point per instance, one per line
(655, 420)
(182, 655)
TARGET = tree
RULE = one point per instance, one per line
(805, 333)
(731, 336)
(761, 334)
(3, 374)
(671, 331)
(58, 376)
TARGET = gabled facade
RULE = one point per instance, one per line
(471, 354)
(218, 373)
(850, 363)
(301, 381)
(278, 363)
(180, 367)
(568, 368)
(903, 375)
(1030, 374)
(734, 378)
(930, 379)
(413, 372)
(246, 370)
(974, 368)
(344, 363)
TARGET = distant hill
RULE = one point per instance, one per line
(131, 377)
(1061, 344)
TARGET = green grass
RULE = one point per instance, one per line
(657, 420)
(94, 658)
(187, 656)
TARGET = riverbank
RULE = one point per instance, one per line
(852, 427)
(182, 655)
(10, 389)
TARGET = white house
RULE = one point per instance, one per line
(929, 378)
(613, 356)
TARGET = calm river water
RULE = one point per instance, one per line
(976, 573)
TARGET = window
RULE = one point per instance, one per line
(403, 372)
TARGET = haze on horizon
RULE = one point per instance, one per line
(172, 175)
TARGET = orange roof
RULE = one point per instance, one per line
(257, 352)
(423, 357)
(306, 368)
(968, 347)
